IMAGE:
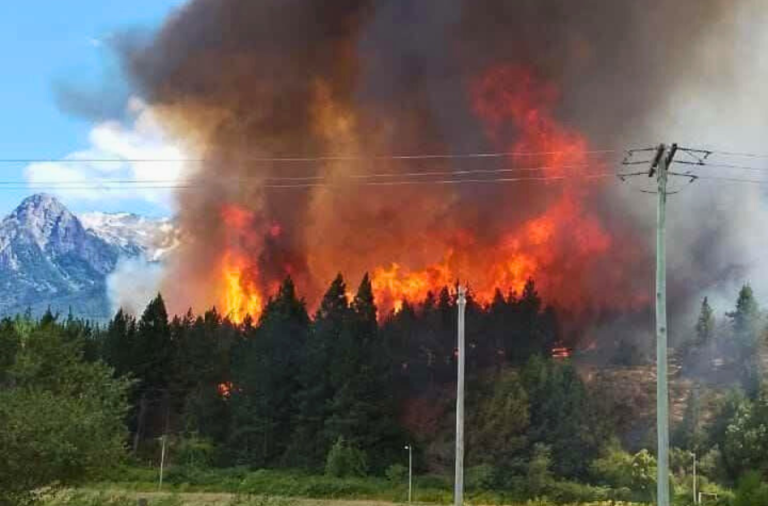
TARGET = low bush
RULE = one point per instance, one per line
(482, 477)
(249, 486)
(282, 483)
(751, 491)
(194, 451)
(396, 473)
(433, 481)
(208, 478)
(345, 460)
(570, 491)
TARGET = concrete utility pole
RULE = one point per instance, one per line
(162, 463)
(458, 493)
(410, 472)
(660, 167)
(695, 495)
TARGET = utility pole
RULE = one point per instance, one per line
(660, 168)
(458, 493)
(695, 496)
(410, 472)
(162, 463)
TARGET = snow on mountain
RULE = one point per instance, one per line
(136, 235)
(47, 257)
(50, 257)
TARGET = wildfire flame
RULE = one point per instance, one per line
(510, 95)
(241, 295)
(556, 246)
(225, 389)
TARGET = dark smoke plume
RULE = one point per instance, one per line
(245, 79)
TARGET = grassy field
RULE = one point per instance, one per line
(242, 487)
(87, 497)
(240, 482)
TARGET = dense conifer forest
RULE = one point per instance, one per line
(343, 390)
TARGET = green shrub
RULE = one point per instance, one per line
(433, 481)
(480, 477)
(345, 460)
(751, 491)
(539, 475)
(282, 483)
(573, 492)
(131, 474)
(194, 451)
(396, 473)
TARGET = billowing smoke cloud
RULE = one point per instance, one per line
(246, 82)
(132, 284)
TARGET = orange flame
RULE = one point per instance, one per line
(241, 296)
(548, 247)
(561, 244)
(225, 389)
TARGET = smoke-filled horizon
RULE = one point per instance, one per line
(242, 80)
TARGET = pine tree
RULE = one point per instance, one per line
(10, 342)
(705, 325)
(689, 434)
(746, 316)
(118, 347)
(153, 348)
(265, 374)
(362, 406)
(500, 418)
(313, 398)
(560, 407)
(746, 324)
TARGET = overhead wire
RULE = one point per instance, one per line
(393, 178)
(732, 153)
(455, 172)
(724, 166)
(733, 179)
(302, 159)
(107, 187)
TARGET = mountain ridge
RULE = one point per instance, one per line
(51, 258)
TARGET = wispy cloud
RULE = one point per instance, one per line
(143, 163)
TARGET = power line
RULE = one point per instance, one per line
(733, 179)
(301, 159)
(728, 153)
(108, 187)
(457, 172)
(724, 166)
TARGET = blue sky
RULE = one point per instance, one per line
(44, 43)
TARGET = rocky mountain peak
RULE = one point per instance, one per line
(49, 257)
(42, 219)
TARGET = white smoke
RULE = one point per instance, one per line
(150, 164)
(133, 284)
(723, 106)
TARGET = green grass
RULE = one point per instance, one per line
(118, 498)
(241, 482)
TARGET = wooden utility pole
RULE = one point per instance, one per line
(458, 493)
